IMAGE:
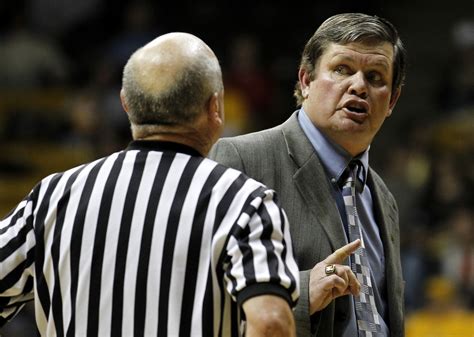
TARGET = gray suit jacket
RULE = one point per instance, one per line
(284, 159)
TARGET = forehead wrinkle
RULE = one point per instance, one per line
(375, 58)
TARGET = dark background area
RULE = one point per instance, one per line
(60, 73)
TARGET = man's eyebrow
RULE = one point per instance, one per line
(379, 63)
(382, 64)
(342, 57)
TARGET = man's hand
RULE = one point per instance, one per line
(324, 288)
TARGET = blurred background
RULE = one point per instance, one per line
(60, 77)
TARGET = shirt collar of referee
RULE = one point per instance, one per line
(156, 145)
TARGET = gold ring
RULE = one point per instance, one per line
(330, 269)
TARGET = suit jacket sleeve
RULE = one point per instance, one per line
(226, 153)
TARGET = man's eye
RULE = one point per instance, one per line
(342, 70)
(375, 77)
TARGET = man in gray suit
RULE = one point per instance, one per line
(350, 77)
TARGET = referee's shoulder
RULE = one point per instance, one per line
(85, 165)
(235, 174)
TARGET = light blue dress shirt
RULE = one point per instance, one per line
(335, 160)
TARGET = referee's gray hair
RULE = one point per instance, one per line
(180, 102)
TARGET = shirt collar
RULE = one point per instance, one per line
(333, 157)
(155, 145)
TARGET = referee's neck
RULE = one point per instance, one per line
(200, 134)
(190, 139)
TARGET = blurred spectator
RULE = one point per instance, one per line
(249, 87)
(457, 253)
(406, 172)
(30, 60)
(416, 265)
(87, 130)
(85, 122)
(237, 113)
(446, 188)
(136, 29)
(56, 18)
(451, 182)
(103, 86)
(457, 90)
(442, 316)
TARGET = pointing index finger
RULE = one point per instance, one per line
(343, 253)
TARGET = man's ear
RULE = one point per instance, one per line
(304, 81)
(393, 100)
(122, 99)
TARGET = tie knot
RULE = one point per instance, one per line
(351, 175)
(354, 165)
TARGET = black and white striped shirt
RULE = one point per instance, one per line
(151, 241)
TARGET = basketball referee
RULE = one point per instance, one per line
(154, 240)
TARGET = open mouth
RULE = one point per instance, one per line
(356, 109)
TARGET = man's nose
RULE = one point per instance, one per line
(358, 85)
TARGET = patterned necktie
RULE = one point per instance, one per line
(368, 319)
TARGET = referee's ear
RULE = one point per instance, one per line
(215, 109)
(122, 99)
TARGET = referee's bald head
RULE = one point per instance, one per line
(170, 80)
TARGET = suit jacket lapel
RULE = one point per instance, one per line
(386, 216)
(311, 181)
